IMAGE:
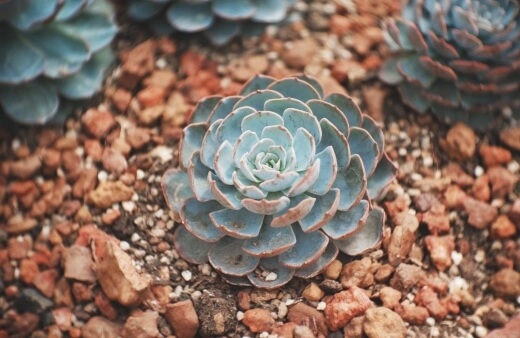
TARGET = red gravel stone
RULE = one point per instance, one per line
(344, 306)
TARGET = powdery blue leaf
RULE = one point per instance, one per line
(376, 132)
(210, 145)
(269, 11)
(352, 183)
(323, 210)
(299, 207)
(223, 31)
(345, 223)
(308, 248)
(257, 121)
(280, 105)
(313, 82)
(279, 134)
(195, 217)
(266, 206)
(144, 10)
(389, 72)
(35, 102)
(198, 174)
(191, 248)
(304, 149)
(295, 88)
(34, 12)
(203, 109)
(233, 9)
(64, 54)
(71, 8)
(295, 119)
(362, 144)
(381, 178)
(88, 80)
(20, 61)
(223, 108)
(243, 145)
(176, 188)
(257, 82)
(312, 270)
(223, 193)
(97, 31)
(283, 275)
(191, 142)
(270, 242)
(367, 238)
(279, 182)
(347, 107)
(325, 110)
(412, 69)
(237, 223)
(227, 257)
(223, 163)
(328, 171)
(257, 99)
(230, 130)
(247, 188)
(331, 136)
(306, 180)
(413, 96)
(190, 17)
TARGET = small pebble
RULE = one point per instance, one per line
(321, 306)
(481, 331)
(186, 274)
(124, 245)
(240, 315)
(430, 321)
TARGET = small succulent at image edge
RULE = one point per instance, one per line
(220, 20)
(459, 59)
(275, 181)
(51, 52)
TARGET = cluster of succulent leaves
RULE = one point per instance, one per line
(220, 20)
(459, 59)
(275, 181)
(50, 51)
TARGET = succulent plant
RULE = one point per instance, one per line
(458, 58)
(220, 20)
(51, 49)
(274, 182)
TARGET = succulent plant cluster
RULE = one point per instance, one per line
(458, 58)
(220, 20)
(274, 182)
(49, 50)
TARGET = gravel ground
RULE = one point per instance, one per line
(86, 239)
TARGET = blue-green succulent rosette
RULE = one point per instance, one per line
(51, 51)
(274, 182)
(220, 20)
(459, 59)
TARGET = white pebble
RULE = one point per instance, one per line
(282, 310)
(321, 306)
(140, 174)
(128, 206)
(263, 335)
(289, 302)
(480, 256)
(481, 331)
(186, 274)
(456, 257)
(124, 245)
(427, 161)
(196, 295)
(434, 332)
(271, 277)
(479, 171)
(240, 315)
(102, 176)
(430, 321)
(135, 237)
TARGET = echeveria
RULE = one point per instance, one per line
(275, 181)
(50, 50)
(458, 58)
(220, 20)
